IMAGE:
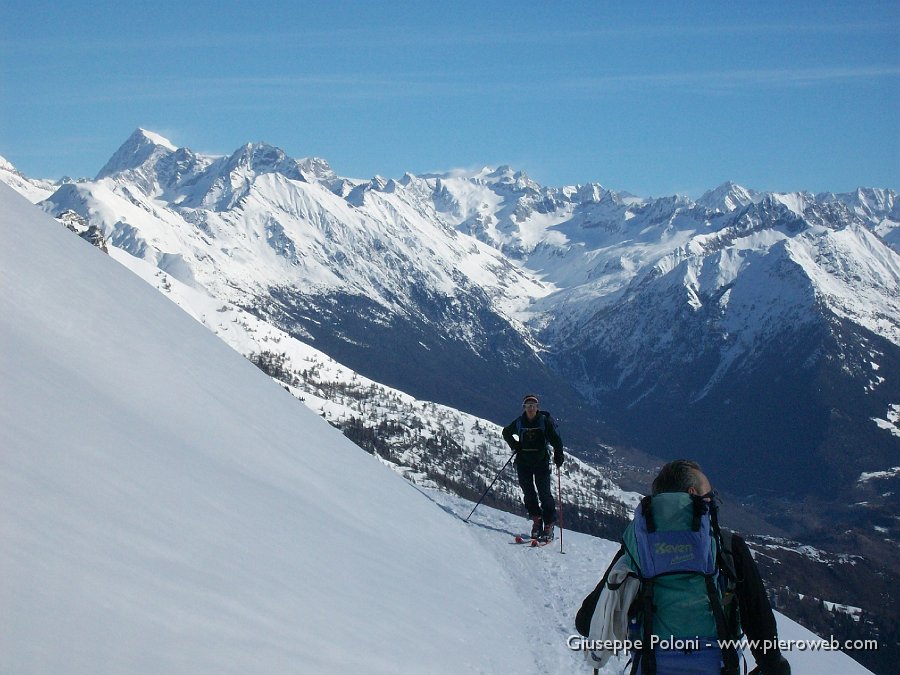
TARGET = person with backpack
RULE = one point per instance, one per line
(681, 589)
(530, 436)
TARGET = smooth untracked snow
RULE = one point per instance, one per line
(166, 508)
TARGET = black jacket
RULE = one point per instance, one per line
(757, 618)
(532, 445)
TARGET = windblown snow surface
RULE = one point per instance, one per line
(167, 508)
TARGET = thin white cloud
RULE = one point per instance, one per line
(432, 36)
(734, 79)
(312, 91)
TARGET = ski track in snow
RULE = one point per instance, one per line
(552, 585)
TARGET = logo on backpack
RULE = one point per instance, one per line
(679, 553)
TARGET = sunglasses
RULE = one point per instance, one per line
(530, 406)
(712, 496)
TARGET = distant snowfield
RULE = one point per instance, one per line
(166, 508)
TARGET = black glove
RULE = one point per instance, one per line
(558, 456)
(778, 666)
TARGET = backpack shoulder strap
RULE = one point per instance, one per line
(645, 658)
(647, 513)
(726, 561)
(725, 607)
(729, 656)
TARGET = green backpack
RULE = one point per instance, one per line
(687, 575)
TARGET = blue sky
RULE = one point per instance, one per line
(653, 98)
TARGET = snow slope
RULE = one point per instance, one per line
(165, 507)
(168, 508)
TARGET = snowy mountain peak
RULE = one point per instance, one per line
(728, 197)
(592, 193)
(262, 158)
(874, 203)
(156, 139)
(357, 195)
(255, 159)
(316, 168)
(508, 177)
(195, 180)
(504, 176)
(877, 199)
(142, 146)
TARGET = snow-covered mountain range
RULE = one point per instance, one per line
(377, 280)
(739, 327)
(165, 507)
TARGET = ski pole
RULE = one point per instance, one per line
(484, 494)
(560, 503)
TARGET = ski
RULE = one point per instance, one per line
(532, 543)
